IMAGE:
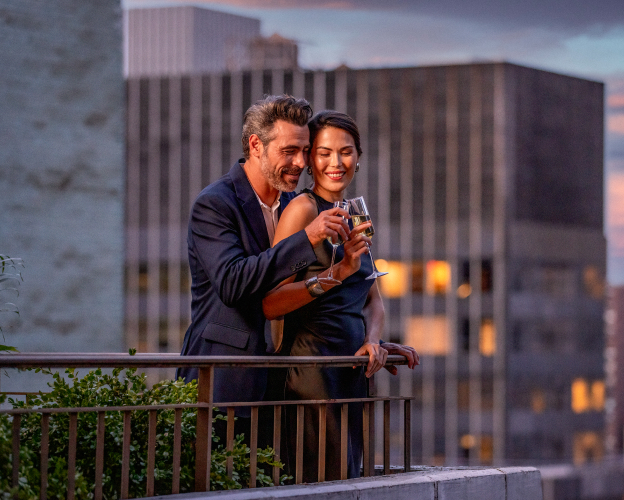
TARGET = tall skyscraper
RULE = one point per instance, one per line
(485, 182)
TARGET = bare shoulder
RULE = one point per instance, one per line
(296, 216)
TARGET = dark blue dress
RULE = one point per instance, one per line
(330, 325)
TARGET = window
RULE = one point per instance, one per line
(438, 277)
(428, 334)
(587, 396)
(587, 446)
(395, 283)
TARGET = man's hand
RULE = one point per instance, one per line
(376, 357)
(404, 350)
(328, 224)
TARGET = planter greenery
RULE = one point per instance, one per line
(122, 388)
(10, 279)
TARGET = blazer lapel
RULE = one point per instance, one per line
(251, 207)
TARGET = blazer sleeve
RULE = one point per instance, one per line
(234, 274)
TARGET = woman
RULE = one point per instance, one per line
(346, 319)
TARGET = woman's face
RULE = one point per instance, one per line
(333, 158)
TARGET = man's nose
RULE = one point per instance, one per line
(300, 159)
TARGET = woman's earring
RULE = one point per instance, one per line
(309, 170)
(357, 166)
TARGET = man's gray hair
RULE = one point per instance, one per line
(261, 116)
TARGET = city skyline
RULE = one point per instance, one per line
(567, 37)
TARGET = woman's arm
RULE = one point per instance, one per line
(288, 296)
(374, 316)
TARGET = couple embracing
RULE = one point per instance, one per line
(258, 252)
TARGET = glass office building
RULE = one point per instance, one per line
(485, 182)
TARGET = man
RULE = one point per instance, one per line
(229, 239)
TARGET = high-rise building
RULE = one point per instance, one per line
(185, 40)
(614, 371)
(485, 182)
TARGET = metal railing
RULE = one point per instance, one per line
(204, 406)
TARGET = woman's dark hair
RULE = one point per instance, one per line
(330, 118)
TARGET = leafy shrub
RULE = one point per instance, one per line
(10, 279)
(122, 388)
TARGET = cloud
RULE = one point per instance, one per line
(568, 15)
(615, 123)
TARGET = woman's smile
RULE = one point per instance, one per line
(336, 176)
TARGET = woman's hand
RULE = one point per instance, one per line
(354, 248)
(404, 350)
(377, 357)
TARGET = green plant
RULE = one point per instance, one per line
(121, 388)
(10, 279)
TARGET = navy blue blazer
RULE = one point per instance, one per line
(232, 268)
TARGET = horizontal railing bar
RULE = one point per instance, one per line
(189, 406)
(99, 360)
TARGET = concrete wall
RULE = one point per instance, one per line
(510, 483)
(62, 128)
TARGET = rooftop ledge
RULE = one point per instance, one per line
(426, 483)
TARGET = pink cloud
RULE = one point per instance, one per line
(615, 100)
(615, 213)
(615, 123)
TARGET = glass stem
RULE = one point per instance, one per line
(370, 254)
(331, 266)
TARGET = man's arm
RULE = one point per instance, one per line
(234, 274)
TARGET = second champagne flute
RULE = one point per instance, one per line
(359, 215)
(330, 280)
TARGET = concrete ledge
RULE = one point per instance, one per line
(429, 483)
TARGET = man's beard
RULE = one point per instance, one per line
(275, 179)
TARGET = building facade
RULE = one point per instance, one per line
(485, 182)
(62, 175)
(168, 41)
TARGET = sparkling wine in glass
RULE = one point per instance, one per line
(330, 280)
(359, 215)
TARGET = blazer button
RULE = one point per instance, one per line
(293, 268)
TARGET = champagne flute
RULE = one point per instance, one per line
(330, 280)
(359, 215)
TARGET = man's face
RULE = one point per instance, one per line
(286, 155)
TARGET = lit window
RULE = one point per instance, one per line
(586, 397)
(538, 401)
(395, 283)
(580, 396)
(467, 441)
(487, 337)
(587, 447)
(464, 291)
(428, 334)
(487, 449)
(598, 395)
(593, 281)
(438, 277)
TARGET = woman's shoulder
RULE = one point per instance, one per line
(302, 204)
(295, 217)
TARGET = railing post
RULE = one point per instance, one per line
(386, 424)
(369, 439)
(277, 433)
(203, 450)
(407, 435)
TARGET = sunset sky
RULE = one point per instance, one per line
(574, 37)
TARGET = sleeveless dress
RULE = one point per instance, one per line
(330, 325)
